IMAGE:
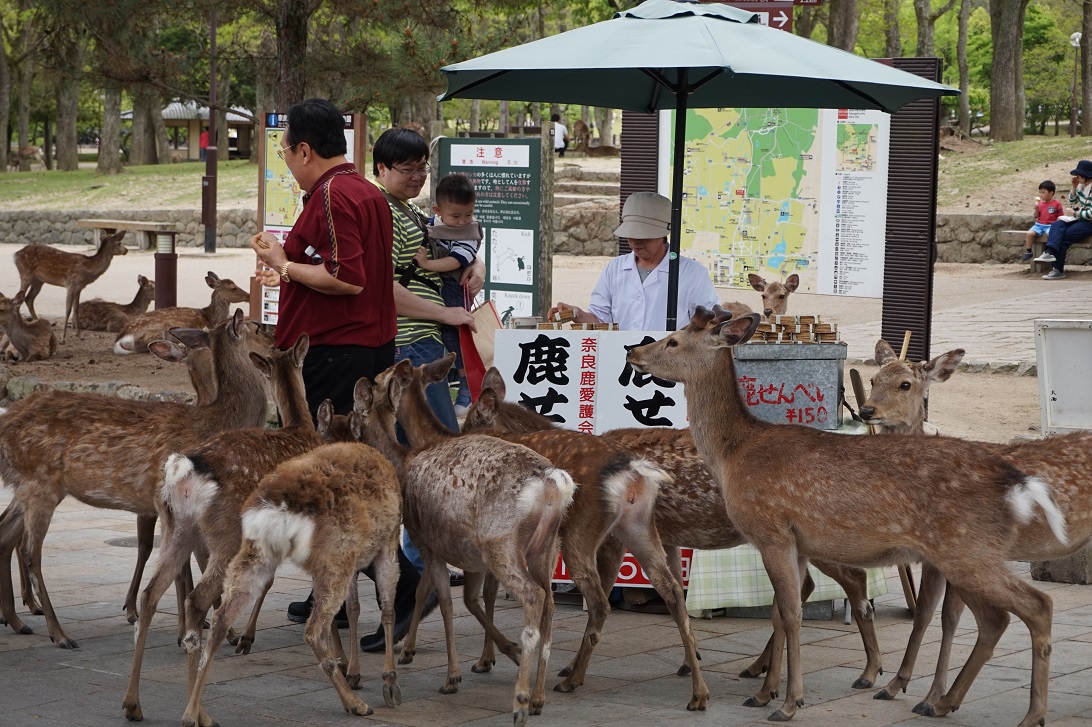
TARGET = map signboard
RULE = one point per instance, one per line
(776, 191)
(506, 174)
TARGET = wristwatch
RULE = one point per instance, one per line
(284, 271)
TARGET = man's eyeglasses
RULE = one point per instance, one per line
(412, 171)
(285, 149)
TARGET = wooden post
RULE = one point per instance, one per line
(546, 222)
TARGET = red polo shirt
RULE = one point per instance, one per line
(347, 220)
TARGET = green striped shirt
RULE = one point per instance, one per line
(408, 237)
(1081, 198)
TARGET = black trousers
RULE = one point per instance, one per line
(331, 372)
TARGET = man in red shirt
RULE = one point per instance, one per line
(336, 276)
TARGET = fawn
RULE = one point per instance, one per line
(775, 296)
(153, 326)
(690, 513)
(24, 340)
(482, 504)
(40, 264)
(109, 452)
(101, 315)
(203, 494)
(331, 511)
(952, 503)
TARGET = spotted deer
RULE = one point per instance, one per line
(24, 340)
(153, 326)
(602, 150)
(203, 493)
(612, 510)
(891, 499)
(775, 296)
(40, 264)
(331, 511)
(690, 512)
(479, 503)
(102, 315)
(899, 398)
(109, 452)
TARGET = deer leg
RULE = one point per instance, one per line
(409, 643)
(171, 557)
(31, 294)
(74, 305)
(250, 575)
(650, 552)
(35, 524)
(436, 573)
(533, 599)
(27, 589)
(761, 664)
(486, 585)
(386, 578)
(243, 643)
(594, 578)
(352, 612)
(11, 532)
(770, 683)
(930, 590)
(329, 582)
(949, 620)
(145, 539)
(854, 581)
(783, 567)
(541, 571)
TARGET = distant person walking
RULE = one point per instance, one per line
(1070, 229)
(203, 143)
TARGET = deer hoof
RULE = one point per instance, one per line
(565, 672)
(450, 686)
(684, 671)
(697, 703)
(27, 631)
(67, 644)
(925, 709)
(392, 695)
(132, 618)
(779, 716)
(354, 681)
(519, 717)
(883, 694)
(755, 702)
(359, 709)
(133, 712)
(750, 674)
(863, 683)
(565, 687)
(406, 657)
(482, 667)
(243, 645)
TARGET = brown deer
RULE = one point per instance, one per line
(479, 503)
(952, 503)
(153, 326)
(775, 296)
(24, 340)
(219, 475)
(101, 315)
(612, 510)
(109, 452)
(602, 150)
(40, 264)
(689, 513)
(331, 511)
(581, 133)
(899, 396)
(29, 154)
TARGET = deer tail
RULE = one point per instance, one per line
(549, 497)
(1033, 493)
(187, 491)
(125, 344)
(630, 488)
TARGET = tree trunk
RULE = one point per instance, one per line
(291, 22)
(26, 80)
(502, 119)
(1006, 88)
(68, 103)
(265, 81)
(5, 105)
(476, 115)
(47, 144)
(892, 36)
(806, 20)
(964, 72)
(159, 131)
(1086, 64)
(141, 142)
(843, 24)
(223, 92)
(110, 138)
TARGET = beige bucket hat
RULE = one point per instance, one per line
(645, 215)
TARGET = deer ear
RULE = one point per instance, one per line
(757, 282)
(262, 364)
(237, 325)
(362, 394)
(168, 351)
(437, 370)
(403, 371)
(191, 337)
(493, 380)
(357, 422)
(299, 350)
(701, 317)
(325, 413)
(943, 366)
(792, 282)
(735, 331)
(884, 352)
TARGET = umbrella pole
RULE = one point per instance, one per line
(679, 152)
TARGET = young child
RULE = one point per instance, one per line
(1047, 210)
(454, 236)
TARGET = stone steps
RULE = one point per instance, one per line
(597, 189)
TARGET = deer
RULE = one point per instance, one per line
(612, 509)
(331, 511)
(775, 296)
(102, 315)
(223, 471)
(479, 503)
(24, 340)
(109, 452)
(689, 513)
(602, 150)
(954, 504)
(39, 264)
(30, 153)
(899, 398)
(153, 326)
(581, 133)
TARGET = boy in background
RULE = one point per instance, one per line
(454, 236)
(1047, 210)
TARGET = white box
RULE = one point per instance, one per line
(1063, 356)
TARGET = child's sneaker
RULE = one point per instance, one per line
(461, 410)
(1026, 256)
(1054, 274)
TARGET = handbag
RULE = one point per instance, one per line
(477, 346)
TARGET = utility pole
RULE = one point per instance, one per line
(208, 182)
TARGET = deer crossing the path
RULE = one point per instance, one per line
(892, 500)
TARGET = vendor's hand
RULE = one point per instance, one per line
(563, 306)
(454, 316)
(474, 277)
(268, 249)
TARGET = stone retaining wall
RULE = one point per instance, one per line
(235, 227)
(977, 239)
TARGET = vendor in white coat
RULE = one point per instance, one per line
(632, 291)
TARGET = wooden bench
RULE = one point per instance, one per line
(1038, 246)
(150, 230)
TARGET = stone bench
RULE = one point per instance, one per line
(151, 230)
